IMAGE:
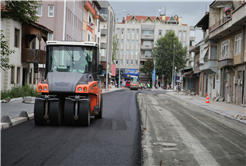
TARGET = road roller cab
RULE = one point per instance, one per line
(70, 90)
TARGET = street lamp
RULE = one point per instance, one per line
(108, 48)
(173, 68)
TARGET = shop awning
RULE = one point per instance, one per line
(208, 71)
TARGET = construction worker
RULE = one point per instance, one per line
(141, 85)
(148, 86)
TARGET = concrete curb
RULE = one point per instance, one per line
(212, 110)
(23, 117)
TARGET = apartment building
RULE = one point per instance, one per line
(70, 20)
(223, 50)
(137, 36)
(106, 16)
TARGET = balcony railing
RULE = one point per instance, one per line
(33, 55)
(220, 22)
(226, 55)
(145, 56)
(146, 47)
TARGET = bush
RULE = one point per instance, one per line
(19, 91)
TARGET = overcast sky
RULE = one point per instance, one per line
(191, 11)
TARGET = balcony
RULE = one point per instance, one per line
(147, 27)
(209, 66)
(146, 47)
(104, 32)
(145, 57)
(33, 55)
(90, 8)
(147, 37)
(226, 59)
(192, 38)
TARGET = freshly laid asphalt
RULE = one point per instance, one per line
(112, 140)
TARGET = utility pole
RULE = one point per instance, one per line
(173, 68)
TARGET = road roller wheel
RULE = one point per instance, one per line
(85, 112)
(39, 111)
(55, 112)
(69, 112)
(99, 116)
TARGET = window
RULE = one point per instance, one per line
(121, 52)
(133, 31)
(136, 62)
(122, 31)
(184, 35)
(39, 11)
(127, 61)
(160, 32)
(118, 31)
(121, 61)
(132, 42)
(50, 36)
(131, 52)
(167, 31)
(122, 41)
(83, 35)
(136, 52)
(89, 37)
(116, 62)
(131, 62)
(102, 52)
(238, 40)
(50, 11)
(18, 75)
(128, 41)
(127, 52)
(137, 31)
(12, 75)
(147, 43)
(137, 42)
(128, 31)
(225, 49)
(180, 33)
(217, 77)
(184, 44)
(17, 37)
(148, 53)
(147, 32)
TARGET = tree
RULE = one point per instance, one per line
(115, 47)
(22, 11)
(5, 52)
(167, 47)
(148, 68)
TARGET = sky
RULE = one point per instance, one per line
(191, 11)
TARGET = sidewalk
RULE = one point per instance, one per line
(232, 111)
(15, 111)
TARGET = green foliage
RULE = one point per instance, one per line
(115, 47)
(5, 52)
(23, 11)
(19, 91)
(148, 68)
(163, 52)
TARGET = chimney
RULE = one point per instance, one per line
(117, 20)
(127, 14)
(123, 20)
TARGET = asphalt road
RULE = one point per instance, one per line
(179, 133)
(113, 140)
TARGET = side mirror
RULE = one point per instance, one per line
(100, 69)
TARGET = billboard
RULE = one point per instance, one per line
(131, 72)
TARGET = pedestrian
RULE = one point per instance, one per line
(141, 85)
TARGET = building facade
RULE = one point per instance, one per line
(138, 34)
(107, 32)
(220, 56)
